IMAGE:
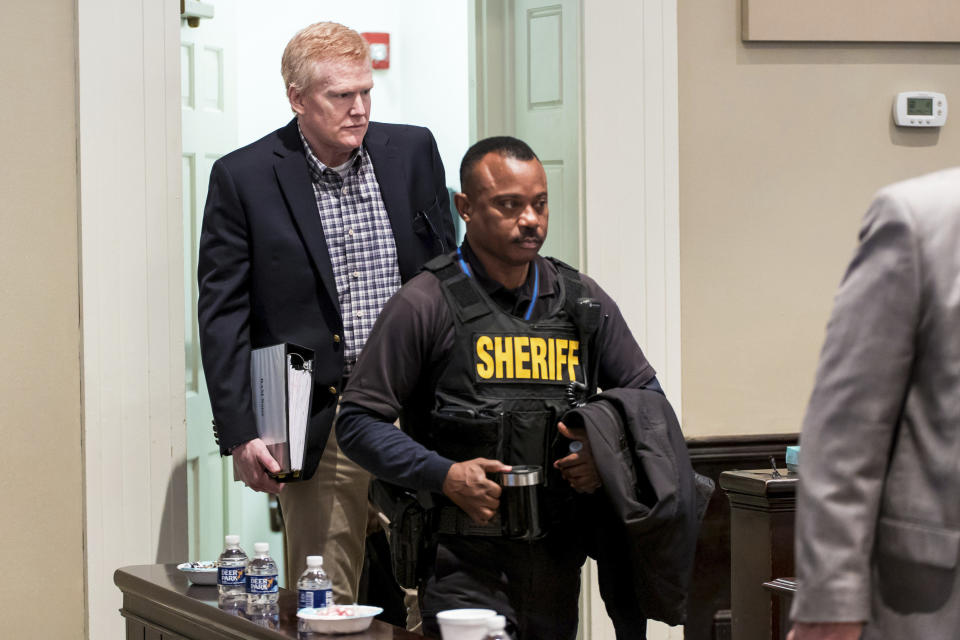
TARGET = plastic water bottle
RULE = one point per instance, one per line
(232, 569)
(497, 628)
(313, 587)
(267, 616)
(262, 588)
(233, 605)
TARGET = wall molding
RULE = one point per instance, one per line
(738, 449)
(134, 437)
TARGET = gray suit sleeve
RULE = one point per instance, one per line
(861, 383)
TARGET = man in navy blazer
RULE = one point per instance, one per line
(306, 233)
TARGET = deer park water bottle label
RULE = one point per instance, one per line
(262, 584)
(231, 576)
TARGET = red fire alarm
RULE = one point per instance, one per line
(379, 49)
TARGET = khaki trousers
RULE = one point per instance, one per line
(327, 515)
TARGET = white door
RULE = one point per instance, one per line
(216, 504)
(527, 84)
(547, 110)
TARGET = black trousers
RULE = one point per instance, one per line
(535, 585)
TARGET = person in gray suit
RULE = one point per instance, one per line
(878, 509)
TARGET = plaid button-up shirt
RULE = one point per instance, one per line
(360, 241)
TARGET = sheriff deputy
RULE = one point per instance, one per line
(478, 356)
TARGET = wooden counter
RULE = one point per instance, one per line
(159, 603)
(783, 589)
(761, 547)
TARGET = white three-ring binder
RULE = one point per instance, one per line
(281, 380)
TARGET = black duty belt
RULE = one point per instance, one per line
(455, 521)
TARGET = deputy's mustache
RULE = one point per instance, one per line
(529, 235)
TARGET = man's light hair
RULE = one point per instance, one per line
(320, 42)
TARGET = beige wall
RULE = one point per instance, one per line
(41, 481)
(781, 148)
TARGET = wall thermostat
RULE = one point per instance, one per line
(920, 109)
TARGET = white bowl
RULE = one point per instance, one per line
(199, 572)
(337, 619)
(464, 624)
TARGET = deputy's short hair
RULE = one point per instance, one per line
(319, 42)
(506, 146)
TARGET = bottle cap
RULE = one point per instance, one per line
(261, 548)
(314, 561)
(232, 540)
(496, 623)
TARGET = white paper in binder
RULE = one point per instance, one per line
(281, 378)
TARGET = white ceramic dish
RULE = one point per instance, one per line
(337, 619)
(199, 572)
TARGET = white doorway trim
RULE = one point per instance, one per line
(132, 294)
(630, 149)
(631, 170)
(131, 250)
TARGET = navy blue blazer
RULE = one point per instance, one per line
(264, 272)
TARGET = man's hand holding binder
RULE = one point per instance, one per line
(251, 462)
(281, 379)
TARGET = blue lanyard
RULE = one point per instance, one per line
(463, 263)
(536, 281)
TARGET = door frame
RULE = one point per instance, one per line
(134, 436)
(631, 144)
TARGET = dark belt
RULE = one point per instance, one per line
(455, 521)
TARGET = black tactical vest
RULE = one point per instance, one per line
(506, 382)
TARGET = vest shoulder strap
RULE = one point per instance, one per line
(440, 263)
(573, 286)
(466, 301)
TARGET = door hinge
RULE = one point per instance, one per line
(193, 10)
